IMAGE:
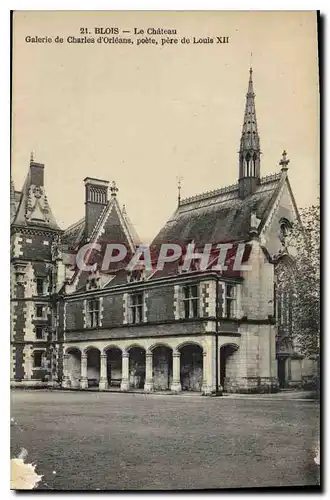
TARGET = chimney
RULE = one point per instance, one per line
(96, 197)
(36, 173)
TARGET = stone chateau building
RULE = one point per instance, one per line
(207, 331)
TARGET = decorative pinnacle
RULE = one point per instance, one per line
(124, 210)
(31, 157)
(284, 162)
(114, 190)
(179, 179)
(250, 92)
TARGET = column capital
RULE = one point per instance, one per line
(83, 356)
(125, 354)
(176, 354)
(103, 356)
(148, 354)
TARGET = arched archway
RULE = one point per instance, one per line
(73, 366)
(228, 364)
(191, 367)
(162, 367)
(114, 366)
(93, 366)
(137, 367)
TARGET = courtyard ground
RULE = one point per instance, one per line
(92, 440)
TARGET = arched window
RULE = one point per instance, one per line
(254, 165)
(247, 160)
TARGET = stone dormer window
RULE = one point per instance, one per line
(93, 313)
(93, 282)
(138, 274)
(194, 264)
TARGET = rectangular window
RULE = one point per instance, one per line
(39, 311)
(93, 313)
(190, 297)
(39, 332)
(136, 307)
(230, 300)
(40, 286)
(37, 359)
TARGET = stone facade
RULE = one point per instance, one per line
(172, 330)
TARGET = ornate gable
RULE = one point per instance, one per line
(33, 208)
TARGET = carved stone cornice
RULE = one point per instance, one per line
(35, 231)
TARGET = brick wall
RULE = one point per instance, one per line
(35, 247)
(113, 312)
(19, 361)
(160, 304)
(74, 315)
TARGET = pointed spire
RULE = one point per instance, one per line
(249, 153)
(250, 136)
(31, 157)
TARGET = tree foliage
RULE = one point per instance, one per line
(302, 278)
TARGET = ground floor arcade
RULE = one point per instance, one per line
(199, 364)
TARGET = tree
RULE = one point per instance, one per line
(302, 279)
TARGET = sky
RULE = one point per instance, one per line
(145, 115)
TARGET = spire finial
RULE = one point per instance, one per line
(179, 179)
(31, 157)
(113, 189)
(124, 210)
(284, 162)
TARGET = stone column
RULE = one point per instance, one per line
(124, 386)
(205, 388)
(176, 383)
(103, 384)
(149, 383)
(28, 363)
(83, 377)
(209, 367)
(66, 379)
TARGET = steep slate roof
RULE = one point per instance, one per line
(132, 230)
(73, 235)
(220, 215)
